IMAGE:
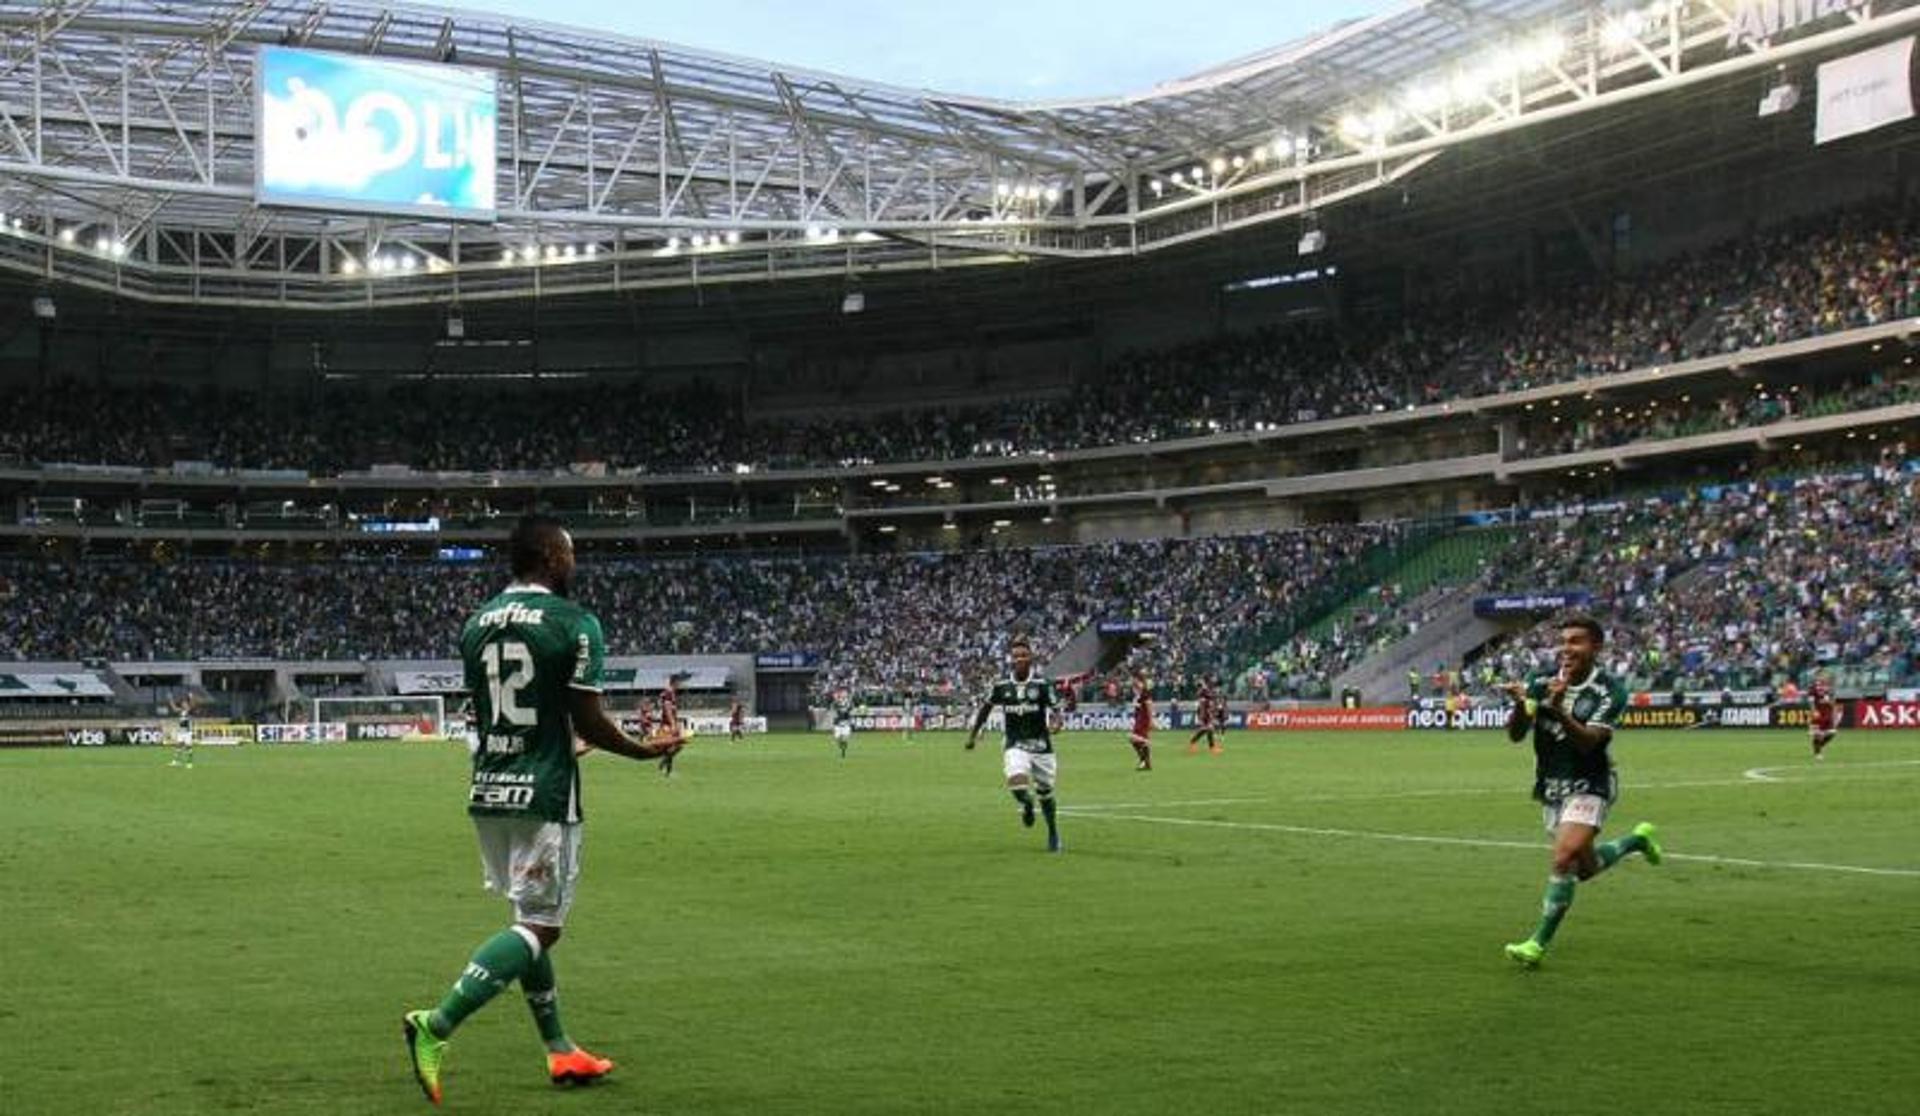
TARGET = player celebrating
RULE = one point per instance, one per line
(1826, 718)
(736, 721)
(533, 662)
(843, 720)
(1571, 717)
(1142, 735)
(1026, 704)
(183, 733)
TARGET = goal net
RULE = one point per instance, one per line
(375, 718)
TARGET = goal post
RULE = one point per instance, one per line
(427, 711)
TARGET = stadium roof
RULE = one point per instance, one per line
(128, 131)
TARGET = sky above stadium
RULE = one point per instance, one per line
(1013, 49)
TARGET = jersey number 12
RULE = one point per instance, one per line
(506, 661)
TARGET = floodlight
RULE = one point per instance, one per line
(43, 307)
(1313, 240)
(853, 302)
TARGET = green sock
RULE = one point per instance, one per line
(498, 962)
(1554, 907)
(1610, 852)
(537, 983)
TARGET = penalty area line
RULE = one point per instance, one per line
(1477, 842)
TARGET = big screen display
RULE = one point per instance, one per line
(340, 132)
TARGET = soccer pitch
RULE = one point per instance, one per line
(1307, 923)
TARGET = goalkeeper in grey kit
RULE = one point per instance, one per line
(1027, 705)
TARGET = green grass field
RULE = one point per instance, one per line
(1306, 924)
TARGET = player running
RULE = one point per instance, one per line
(1826, 716)
(1141, 738)
(533, 661)
(1571, 716)
(843, 721)
(1026, 704)
(736, 722)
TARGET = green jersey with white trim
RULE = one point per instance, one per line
(843, 712)
(1561, 770)
(523, 651)
(1024, 705)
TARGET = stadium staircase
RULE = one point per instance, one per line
(1438, 580)
(1449, 633)
(1256, 641)
(1437, 562)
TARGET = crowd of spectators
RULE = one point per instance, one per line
(1720, 586)
(882, 625)
(1724, 587)
(1844, 270)
(1732, 407)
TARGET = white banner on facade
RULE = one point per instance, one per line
(1865, 91)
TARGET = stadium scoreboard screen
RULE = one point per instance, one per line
(339, 132)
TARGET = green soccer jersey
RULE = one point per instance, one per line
(523, 651)
(1025, 706)
(1561, 770)
(843, 712)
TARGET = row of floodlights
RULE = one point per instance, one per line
(1027, 192)
(103, 243)
(1464, 87)
(1216, 172)
(389, 263)
(1469, 84)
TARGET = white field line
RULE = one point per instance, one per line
(1473, 842)
(1748, 778)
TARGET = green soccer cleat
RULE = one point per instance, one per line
(1650, 848)
(425, 1050)
(1527, 953)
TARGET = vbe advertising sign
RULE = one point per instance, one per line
(340, 132)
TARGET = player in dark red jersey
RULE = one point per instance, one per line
(669, 713)
(1142, 735)
(1207, 718)
(1826, 716)
(737, 722)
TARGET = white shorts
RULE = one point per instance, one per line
(534, 864)
(1582, 809)
(1042, 767)
(843, 732)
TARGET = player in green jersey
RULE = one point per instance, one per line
(1026, 703)
(183, 733)
(1571, 716)
(843, 720)
(533, 663)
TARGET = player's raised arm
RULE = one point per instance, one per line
(1520, 717)
(592, 725)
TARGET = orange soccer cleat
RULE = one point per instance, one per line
(577, 1067)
